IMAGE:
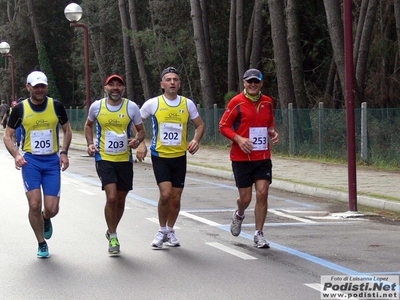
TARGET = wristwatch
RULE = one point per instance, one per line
(64, 152)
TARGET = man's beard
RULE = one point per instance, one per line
(41, 98)
(114, 97)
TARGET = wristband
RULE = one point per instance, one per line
(64, 152)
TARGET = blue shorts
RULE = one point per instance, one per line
(18, 134)
(42, 171)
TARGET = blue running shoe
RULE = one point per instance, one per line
(43, 251)
(48, 228)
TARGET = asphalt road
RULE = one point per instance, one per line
(309, 237)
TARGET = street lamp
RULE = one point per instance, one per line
(4, 49)
(73, 13)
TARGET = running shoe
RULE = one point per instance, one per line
(48, 228)
(260, 241)
(107, 235)
(236, 224)
(113, 246)
(159, 239)
(172, 240)
(43, 251)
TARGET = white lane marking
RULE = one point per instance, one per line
(319, 212)
(332, 217)
(315, 286)
(154, 220)
(318, 287)
(290, 216)
(86, 192)
(200, 219)
(231, 251)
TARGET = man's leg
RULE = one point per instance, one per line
(244, 199)
(261, 207)
(174, 206)
(35, 213)
(114, 209)
(110, 210)
(165, 188)
(51, 206)
(164, 202)
(36, 220)
(260, 212)
(238, 216)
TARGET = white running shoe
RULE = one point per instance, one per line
(159, 239)
(260, 241)
(172, 240)
(236, 224)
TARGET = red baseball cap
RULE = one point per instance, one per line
(114, 76)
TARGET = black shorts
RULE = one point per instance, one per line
(170, 169)
(247, 172)
(120, 173)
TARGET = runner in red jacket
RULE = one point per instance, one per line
(248, 122)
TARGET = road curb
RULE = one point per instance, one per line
(289, 186)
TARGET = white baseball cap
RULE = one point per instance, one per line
(36, 77)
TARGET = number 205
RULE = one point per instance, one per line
(42, 144)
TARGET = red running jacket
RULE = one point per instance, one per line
(243, 114)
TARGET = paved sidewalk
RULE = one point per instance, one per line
(380, 189)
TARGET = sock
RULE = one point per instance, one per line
(163, 229)
(257, 231)
(169, 229)
(43, 216)
(113, 235)
(237, 213)
(42, 243)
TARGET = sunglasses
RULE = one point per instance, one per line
(253, 80)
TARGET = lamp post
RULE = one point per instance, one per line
(4, 49)
(73, 13)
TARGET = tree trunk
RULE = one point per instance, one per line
(296, 56)
(240, 42)
(388, 94)
(43, 58)
(330, 83)
(257, 43)
(12, 10)
(206, 27)
(336, 32)
(203, 61)
(360, 25)
(232, 63)
(281, 53)
(362, 55)
(207, 42)
(96, 44)
(248, 48)
(127, 50)
(139, 53)
(397, 16)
